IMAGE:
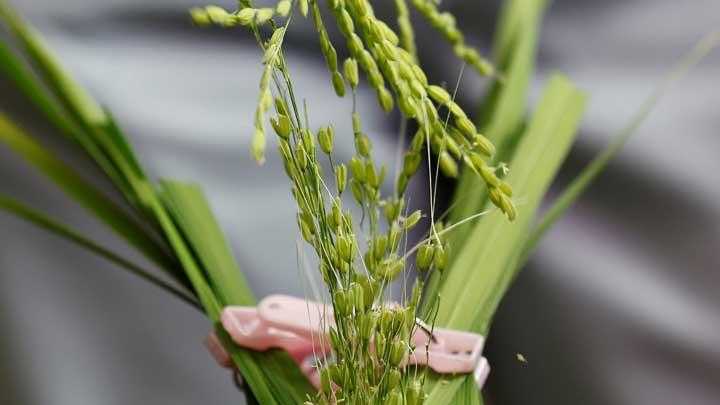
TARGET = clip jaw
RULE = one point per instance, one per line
(300, 328)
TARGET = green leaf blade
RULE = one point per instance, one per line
(89, 197)
(274, 375)
(65, 88)
(45, 222)
(588, 175)
(192, 213)
(503, 112)
(481, 273)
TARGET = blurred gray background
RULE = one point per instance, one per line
(621, 305)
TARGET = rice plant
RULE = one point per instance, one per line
(504, 161)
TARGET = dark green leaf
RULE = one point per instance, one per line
(92, 199)
(45, 222)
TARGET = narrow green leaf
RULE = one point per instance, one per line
(15, 70)
(72, 95)
(112, 130)
(92, 199)
(573, 191)
(28, 84)
(91, 125)
(503, 112)
(45, 222)
(515, 14)
(540, 153)
(480, 275)
(502, 115)
(191, 212)
(274, 375)
(254, 375)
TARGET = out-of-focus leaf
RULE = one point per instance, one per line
(92, 199)
(30, 86)
(43, 221)
(573, 191)
(111, 129)
(256, 375)
(273, 377)
(72, 95)
(79, 114)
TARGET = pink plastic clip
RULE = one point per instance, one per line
(300, 328)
